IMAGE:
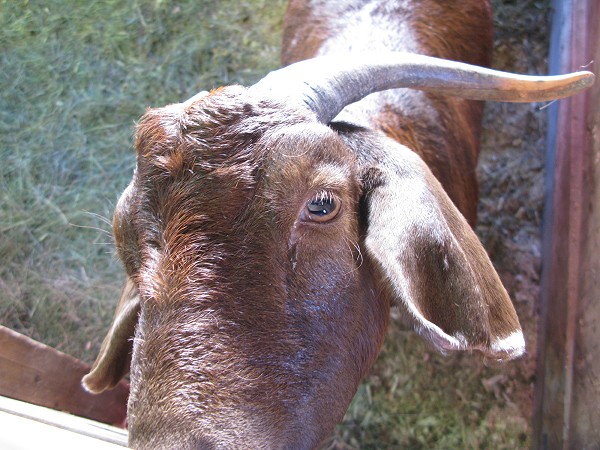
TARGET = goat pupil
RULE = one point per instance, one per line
(321, 207)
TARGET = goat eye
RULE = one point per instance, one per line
(322, 208)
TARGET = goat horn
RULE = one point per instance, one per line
(327, 84)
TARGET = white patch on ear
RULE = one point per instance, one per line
(513, 345)
(442, 341)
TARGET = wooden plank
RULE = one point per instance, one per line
(38, 374)
(30, 426)
(567, 397)
(20, 434)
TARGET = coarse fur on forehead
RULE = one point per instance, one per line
(306, 158)
(210, 171)
(229, 127)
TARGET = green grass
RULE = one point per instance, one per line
(74, 77)
(417, 399)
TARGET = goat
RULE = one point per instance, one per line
(266, 232)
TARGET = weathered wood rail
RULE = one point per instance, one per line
(33, 372)
(567, 398)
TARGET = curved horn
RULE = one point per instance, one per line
(327, 84)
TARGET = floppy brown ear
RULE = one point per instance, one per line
(114, 358)
(436, 266)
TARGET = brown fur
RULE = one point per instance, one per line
(226, 212)
(443, 131)
(256, 324)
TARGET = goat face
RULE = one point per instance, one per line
(260, 308)
(242, 236)
(251, 278)
(263, 250)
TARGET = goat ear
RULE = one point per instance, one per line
(435, 265)
(114, 358)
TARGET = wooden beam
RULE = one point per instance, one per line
(567, 397)
(33, 372)
(28, 426)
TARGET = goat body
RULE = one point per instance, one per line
(443, 130)
(264, 242)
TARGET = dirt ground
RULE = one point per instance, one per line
(511, 174)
